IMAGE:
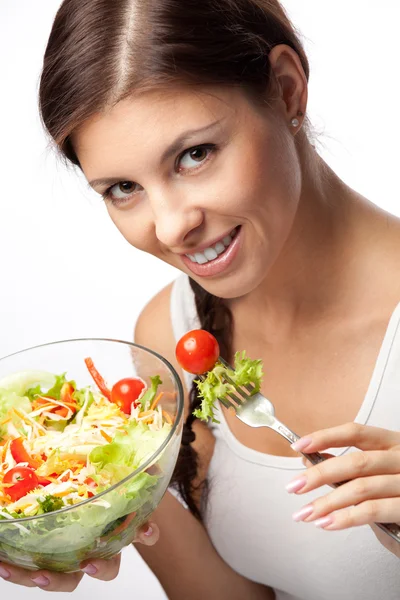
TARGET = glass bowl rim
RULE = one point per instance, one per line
(178, 418)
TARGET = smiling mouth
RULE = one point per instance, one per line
(213, 252)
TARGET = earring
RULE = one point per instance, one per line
(295, 122)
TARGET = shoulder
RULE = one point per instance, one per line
(154, 328)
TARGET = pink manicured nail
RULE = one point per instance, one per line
(148, 531)
(296, 485)
(301, 444)
(324, 522)
(90, 569)
(4, 573)
(303, 513)
(41, 580)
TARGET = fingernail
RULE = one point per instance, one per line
(301, 444)
(148, 531)
(4, 573)
(303, 513)
(90, 569)
(322, 523)
(41, 580)
(296, 485)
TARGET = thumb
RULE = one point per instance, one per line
(148, 534)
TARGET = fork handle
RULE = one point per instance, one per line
(392, 529)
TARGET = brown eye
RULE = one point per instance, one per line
(192, 158)
(198, 154)
(127, 187)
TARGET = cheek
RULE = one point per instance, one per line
(134, 227)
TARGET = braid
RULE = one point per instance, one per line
(216, 318)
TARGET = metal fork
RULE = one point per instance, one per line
(256, 410)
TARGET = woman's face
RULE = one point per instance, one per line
(204, 180)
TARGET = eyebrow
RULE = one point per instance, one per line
(176, 146)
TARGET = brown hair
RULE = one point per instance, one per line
(101, 51)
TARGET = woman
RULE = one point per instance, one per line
(190, 119)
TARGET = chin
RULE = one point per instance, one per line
(231, 287)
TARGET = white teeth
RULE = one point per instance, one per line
(200, 258)
(210, 253)
(213, 252)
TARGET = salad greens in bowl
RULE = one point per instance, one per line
(90, 432)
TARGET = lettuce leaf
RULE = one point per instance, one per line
(215, 386)
(53, 392)
(8, 400)
(21, 381)
(151, 392)
(128, 449)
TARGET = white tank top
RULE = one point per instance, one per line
(248, 517)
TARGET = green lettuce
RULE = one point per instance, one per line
(50, 504)
(54, 391)
(151, 392)
(8, 400)
(128, 449)
(216, 387)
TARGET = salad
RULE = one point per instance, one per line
(198, 353)
(60, 445)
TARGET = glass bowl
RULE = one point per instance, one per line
(101, 526)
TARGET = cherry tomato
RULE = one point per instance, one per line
(126, 391)
(20, 454)
(23, 480)
(43, 481)
(197, 351)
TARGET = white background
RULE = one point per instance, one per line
(66, 271)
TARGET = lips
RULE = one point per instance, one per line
(219, 264)
(211, 252)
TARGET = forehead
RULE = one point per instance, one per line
(152, 120)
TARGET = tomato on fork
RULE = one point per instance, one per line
(197, 351)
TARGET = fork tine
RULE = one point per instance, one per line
(225, 401)
(249, 387)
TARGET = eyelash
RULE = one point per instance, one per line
(212, 148)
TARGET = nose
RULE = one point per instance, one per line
(175, 218)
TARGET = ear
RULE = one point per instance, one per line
(291, 82)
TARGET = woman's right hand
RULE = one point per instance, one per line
(50, 581)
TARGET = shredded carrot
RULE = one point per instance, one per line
(145, 413)
(22, 416)
(167, 417)
(69, 404)
(44, 406)
(106, 436)
(156, 401)
(7, 419)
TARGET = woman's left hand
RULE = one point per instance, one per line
(371, 493)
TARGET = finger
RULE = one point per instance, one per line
(351, 493)
(385, 510)
(148, 534)
(342, 468)
(363, 437)
(307, 463)
(46, 580)
(106, 570)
